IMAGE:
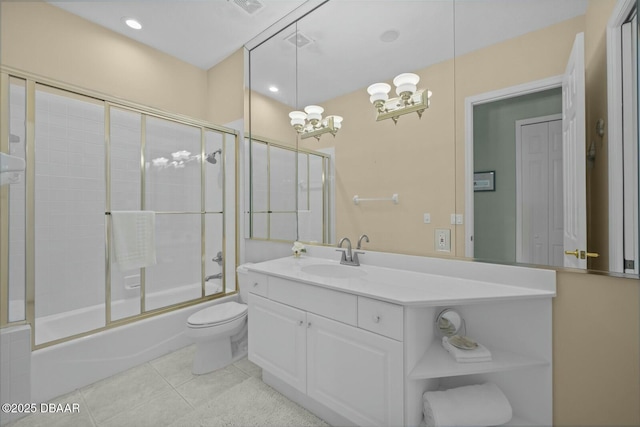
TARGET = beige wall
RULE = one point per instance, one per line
(377, 159)
(597, 17)
(270, 119)
(38, 38)
(596, 356)
(225, 89)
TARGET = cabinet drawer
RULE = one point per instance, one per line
(380, 317)
(258, 284)
(315, 299)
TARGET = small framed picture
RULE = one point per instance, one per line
(484, 181)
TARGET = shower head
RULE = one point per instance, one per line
(211, 157)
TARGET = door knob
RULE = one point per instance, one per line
(576, 253)
(582, 254)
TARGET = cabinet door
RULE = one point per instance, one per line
(277, 340)
(355, 372)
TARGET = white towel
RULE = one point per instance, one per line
(469, 406)
(478, 354)
(134, 238)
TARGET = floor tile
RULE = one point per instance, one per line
(176, 367)
(57, 419)
(107, 398)
(248, 368)
(251, 403)
(204, 388)
(160, 411)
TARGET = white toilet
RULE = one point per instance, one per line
(214, 328)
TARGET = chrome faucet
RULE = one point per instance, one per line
(218, 258)
(348, 257)
(213, 276)
(366, 239)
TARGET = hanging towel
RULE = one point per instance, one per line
(478, 354)
(469, 406)
(134, 238)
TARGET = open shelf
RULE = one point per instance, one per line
(437, 363)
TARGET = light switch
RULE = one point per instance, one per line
(427, 218)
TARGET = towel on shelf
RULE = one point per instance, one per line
(468, 406)
(134, 238)
(478, 354)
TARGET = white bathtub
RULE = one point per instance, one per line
(61, 325)
(62, 368)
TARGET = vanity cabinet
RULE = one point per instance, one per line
(364, 352)
(352, 371)
(278, 340)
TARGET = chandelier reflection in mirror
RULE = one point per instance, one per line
(181, 158)
(309, 123)
(409, 100)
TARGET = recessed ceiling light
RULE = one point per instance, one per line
(273, 89)
(132, 23)
(390, 36)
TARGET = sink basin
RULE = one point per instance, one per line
(333, 270)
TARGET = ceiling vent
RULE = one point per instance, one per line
(249, 6)
(298, 39)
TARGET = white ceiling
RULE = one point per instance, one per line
(200, 32)
(345, 53)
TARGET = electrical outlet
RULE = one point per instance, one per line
(443, 240)
(427, 218)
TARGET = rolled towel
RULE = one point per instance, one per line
(469, 406)
(478, 354)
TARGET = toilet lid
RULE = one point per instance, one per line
(220, 313)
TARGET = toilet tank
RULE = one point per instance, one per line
(243, 281)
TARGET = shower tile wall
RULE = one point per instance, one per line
(17, 120)
(69, 204)
(273, 189)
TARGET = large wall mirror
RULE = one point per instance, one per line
(482, 171)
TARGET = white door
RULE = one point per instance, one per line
(355, 372)
(574, 158)
(539, 191)
(277, 340)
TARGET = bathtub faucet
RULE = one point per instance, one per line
(213, 276)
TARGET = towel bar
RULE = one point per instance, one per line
(394, 198)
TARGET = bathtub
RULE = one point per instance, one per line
(62, 368)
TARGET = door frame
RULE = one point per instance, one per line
(485, 98)
(518, 129)
(614, 134)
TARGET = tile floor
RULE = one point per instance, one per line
(164, 392)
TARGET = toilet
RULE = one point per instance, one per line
(215, 328)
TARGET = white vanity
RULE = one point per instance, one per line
(358, 345)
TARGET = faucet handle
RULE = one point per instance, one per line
(344, 254)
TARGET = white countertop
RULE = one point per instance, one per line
(398, 286)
